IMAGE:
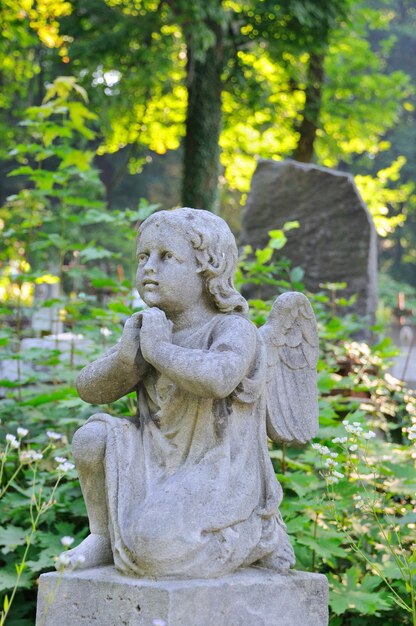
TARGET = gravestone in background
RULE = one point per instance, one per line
(336, 241)
(46, 319)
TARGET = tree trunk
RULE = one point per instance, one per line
(313, 99)
(203, 126)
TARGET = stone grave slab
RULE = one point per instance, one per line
(336, 241)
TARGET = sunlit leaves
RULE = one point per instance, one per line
(62, 87)
(43, 17)
(382, 194)
(360, 100)
(258, 123)
(358, 593)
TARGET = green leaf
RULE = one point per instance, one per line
(94, 254)
(301, 483)
(83, 202)
(95, 216)
(44, 398)
(278, 239)
(105, 283)
(57, 240)
(358, 594)
(81, 159)
(291, 225)
(144, 211)
(119, 307)
(12, 536)
(8, 578)
(327, 548)
(297, 274)
(263, 256)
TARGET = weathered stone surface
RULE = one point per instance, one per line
(336, 241)
(187, 488)
(250, 597)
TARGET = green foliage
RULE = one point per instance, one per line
(63, 197)
(384, 197)
(330, 535)
(363, 546)
(32, 487)
(40, 497)
(134, 58)
(351, 518)
(58, 173)
(389, 290)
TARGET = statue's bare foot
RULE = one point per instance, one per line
(94, 550)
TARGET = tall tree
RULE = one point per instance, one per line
(213, 33)
(204, 81)
(258, 77)
(311, 111)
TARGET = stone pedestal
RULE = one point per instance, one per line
(250, 597)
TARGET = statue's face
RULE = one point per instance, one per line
(167, 269)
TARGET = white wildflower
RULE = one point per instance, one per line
(22, 432)
(354, 430)
(332, 480)
(53, 435)
(340, 440)
(324, 450)
(80, 560)
(65, 467)
(369, 435)
(12, 441)
(411, 434)
(67, 541)
(354, 447)
(29, 456)
(62, 561)
(345, 422)
(330, 463)
(334, 455)
(60, 459)
(106, 332)
(337, 474)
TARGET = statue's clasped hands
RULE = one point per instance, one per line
(146, 331)
(155, 330)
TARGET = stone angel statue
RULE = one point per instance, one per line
(187, 489)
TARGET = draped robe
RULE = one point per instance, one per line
(191, 490)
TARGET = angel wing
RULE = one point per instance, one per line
(291, 338)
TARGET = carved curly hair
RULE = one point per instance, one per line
(215, 250)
